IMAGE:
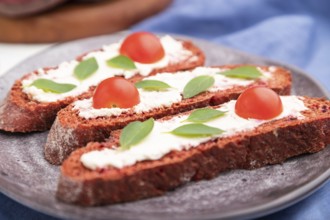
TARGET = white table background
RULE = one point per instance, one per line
(12, 54)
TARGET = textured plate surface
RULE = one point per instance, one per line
(27, 178)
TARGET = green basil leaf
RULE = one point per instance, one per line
(197, 85)
(121, 62)
(152, 85)
(50, 86)
(85, 68)
(135, 132)
(243, 72)
(196, 130)
(204, 115)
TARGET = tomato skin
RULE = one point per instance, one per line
(258, 102)
(115, 92)
(142, 47)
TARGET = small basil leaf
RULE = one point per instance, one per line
(135, 132)
(197, 85)
(121, 62)
(152, 85)
(196, 130)
(243, 72)
(50, 86)
(204, 115)
(86, 68)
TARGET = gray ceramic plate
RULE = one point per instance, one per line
(27, 178)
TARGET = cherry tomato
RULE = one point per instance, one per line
(142, 47)
(258, 102)
(115, 92)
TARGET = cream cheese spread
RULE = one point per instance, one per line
(153, 99)
(159, 142)
(174, 53)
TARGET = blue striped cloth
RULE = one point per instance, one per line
(295, 32)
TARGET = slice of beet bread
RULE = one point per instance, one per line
(70, 131)
(19, 113)
(270, 143)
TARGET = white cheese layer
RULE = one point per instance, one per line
(174, 53)
(150, 99)
(159, 142)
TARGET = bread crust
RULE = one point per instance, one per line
(269, 143)
(19, 113)
(70, 131)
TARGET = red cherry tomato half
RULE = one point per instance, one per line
(142, 47)
(259, 103)
(115, 92)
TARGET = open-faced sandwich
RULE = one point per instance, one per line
(149, 158)
(34, 100)
(116, 102)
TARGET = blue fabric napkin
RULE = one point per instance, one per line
(295, 32)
